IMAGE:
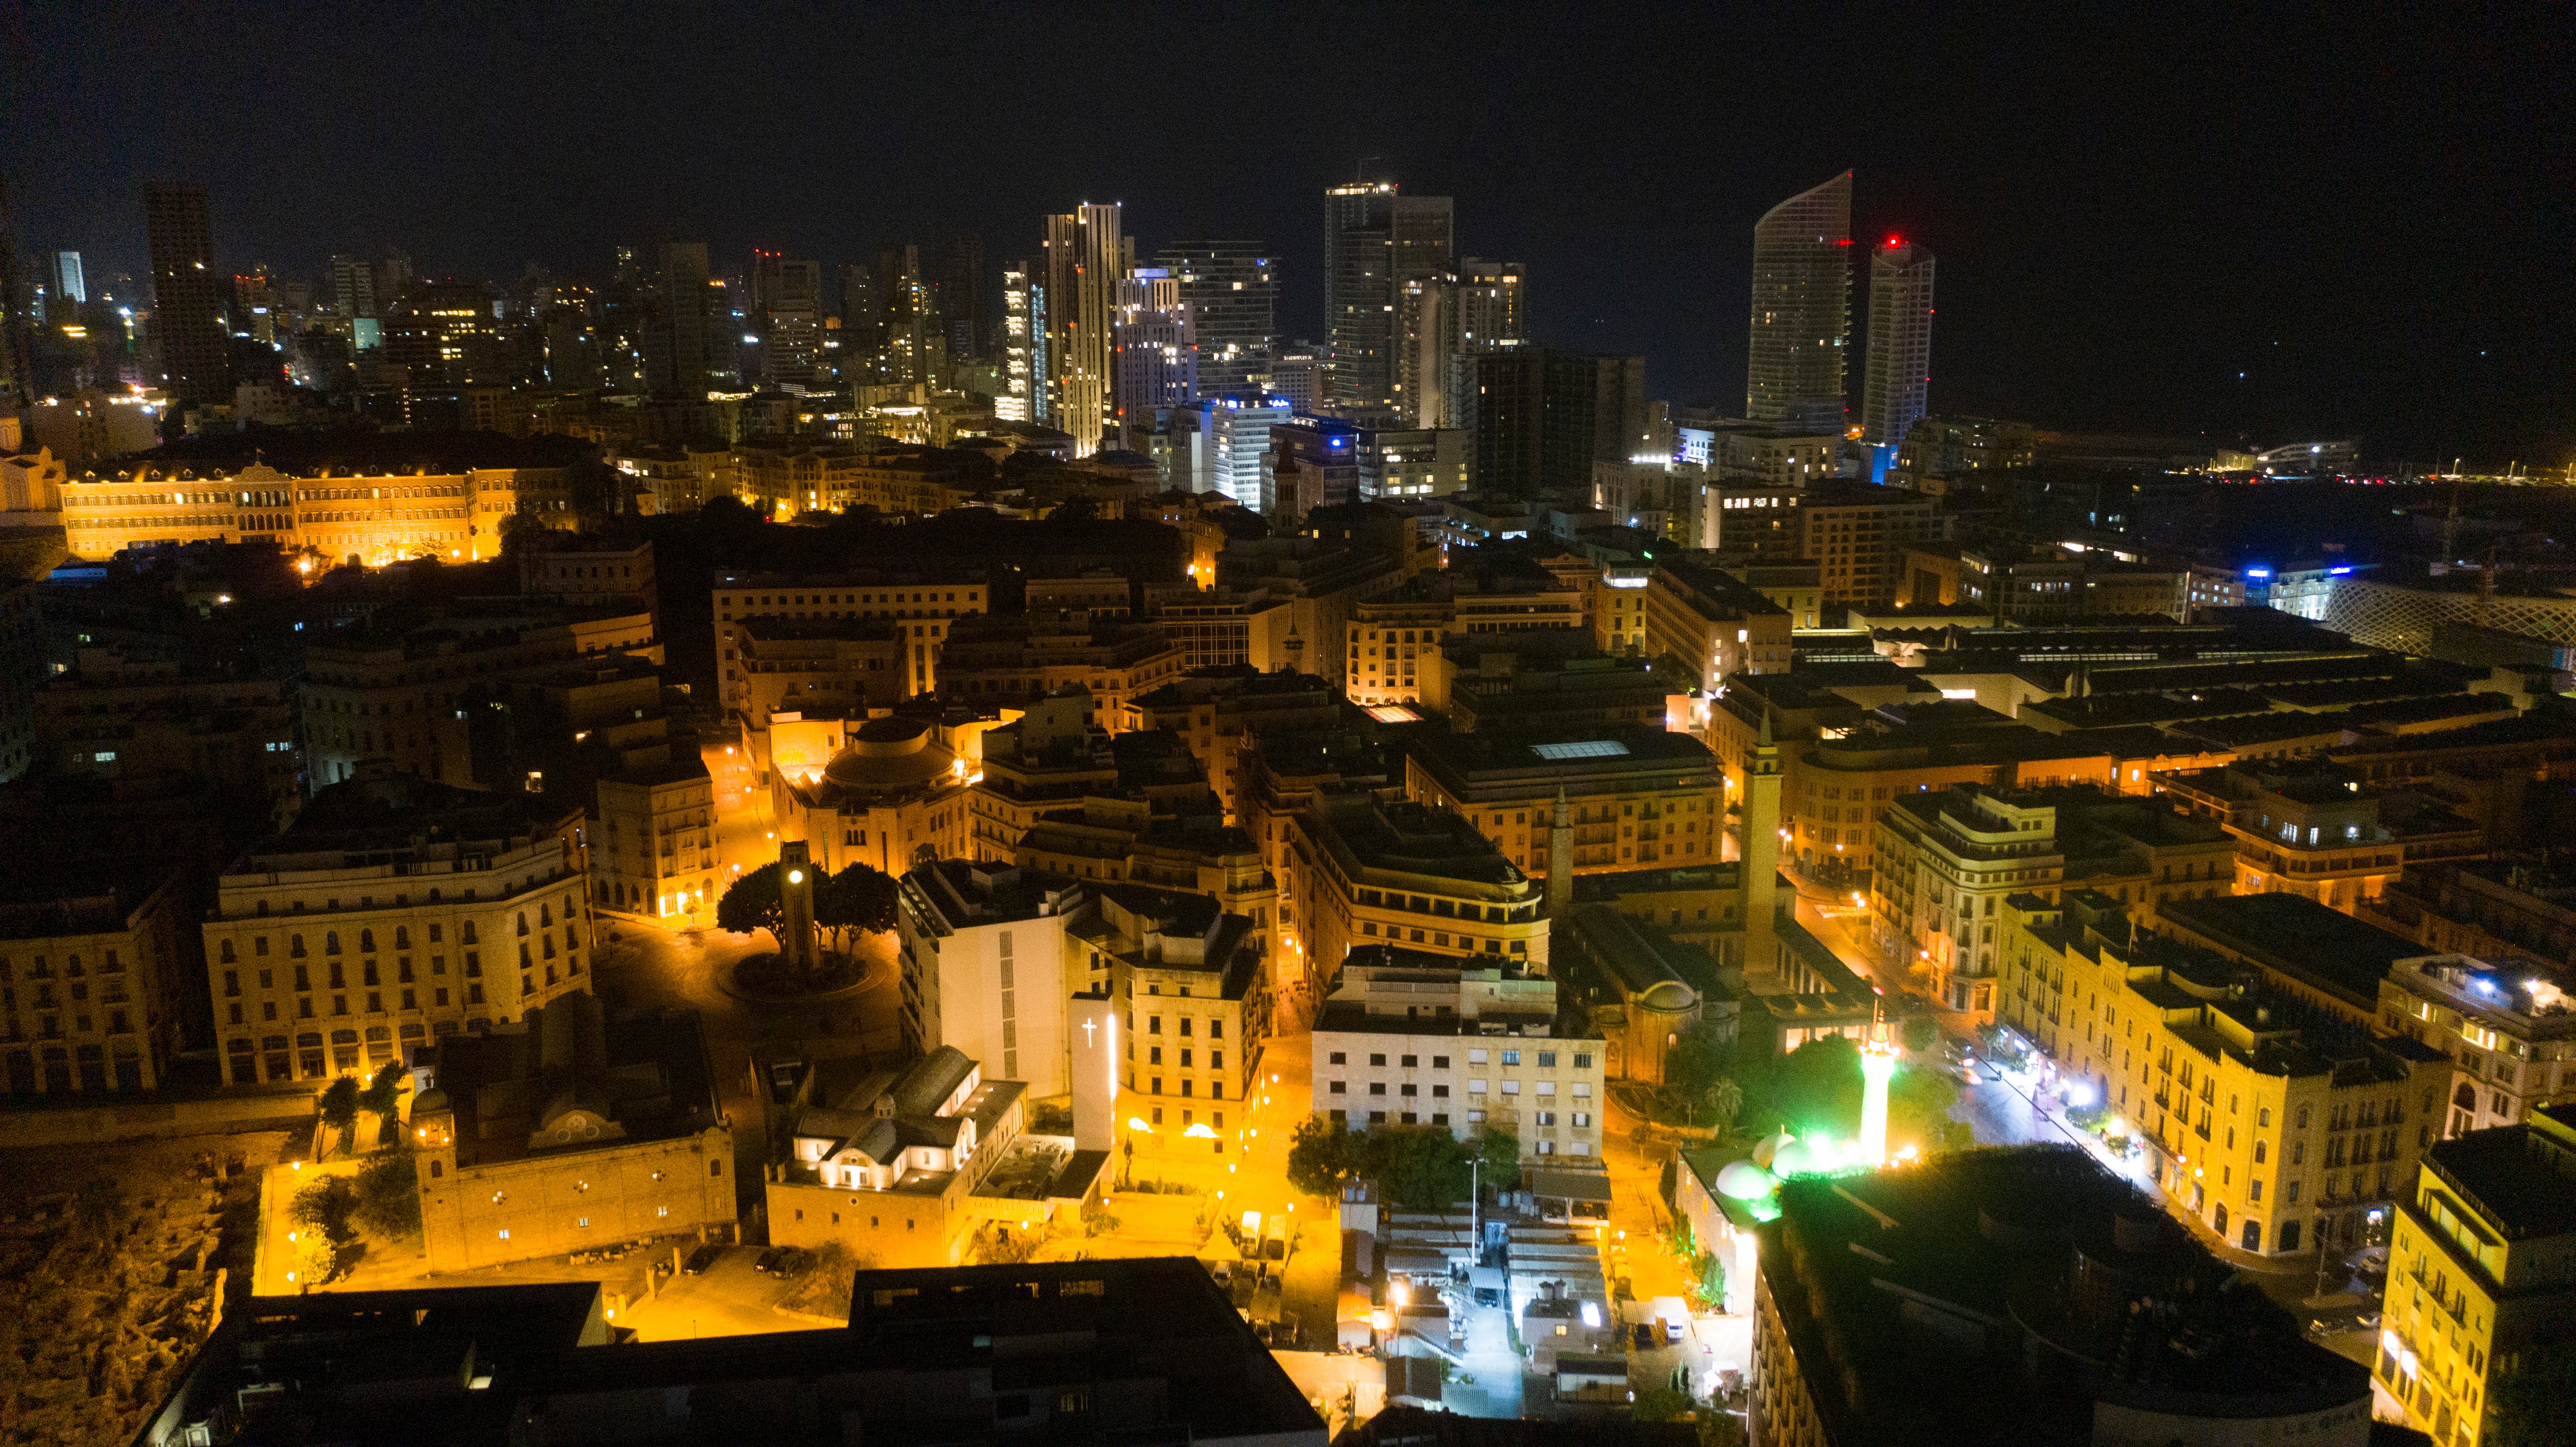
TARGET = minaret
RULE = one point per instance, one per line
(1560, 864)
(1761, 851)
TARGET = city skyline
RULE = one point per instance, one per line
(2297, 252)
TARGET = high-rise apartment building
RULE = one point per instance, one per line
(1157, 348)
(962, 303)
(69, 282)
(1801, 309)
(1374, 242)
(353, 290)
(1023, 397)
(1898, 373)
(787, 316)
(916, 348)
(1231, 289)
(184, 294)
(1594, 411)
(1087, 254)
(683, 335)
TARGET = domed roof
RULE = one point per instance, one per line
(890, 753)
(1668, 996)
(430, 1102)
(1769, 1148)
(1794, 1157)
(1744, 1181)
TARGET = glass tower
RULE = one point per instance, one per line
(1801, 310)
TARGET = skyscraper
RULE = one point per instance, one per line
(962, 303)
(683, 335)
(185, 295)
(1087, 254)
(915, 348)
(787, 316)
(1897, 374)
(69, 284)
(353, 290)
(1375, 240)
(1231, 289)
(1024, 347)
(1801, 310)
(1157, 349)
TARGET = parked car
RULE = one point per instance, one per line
(702, 1258)
(1645, 1335)
(773, 1261)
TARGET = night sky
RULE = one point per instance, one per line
(2367, 215)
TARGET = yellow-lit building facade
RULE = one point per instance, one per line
(332, 953)
(343, 513)
(2267, 1134)
(2481, 1273)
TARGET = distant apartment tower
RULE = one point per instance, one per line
(353, 289)
(1087, 254)
(787, 316)
(184, 294)
(1023, 397)
(1593, 411)
(69, 282)
(1231, 289)
(1374, 241)
(1296, 373)
(1157, 349)
(1219, 443)
(683, 336)
(1490, 309)
(1801, 310)
(1898, 374)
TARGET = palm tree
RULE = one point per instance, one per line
(1724, 1101)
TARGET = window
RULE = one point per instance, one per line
(1338, 1058)
(1379, 1060)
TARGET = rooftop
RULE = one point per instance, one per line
(1922, 1302)
(2520, 1178)
(2298, 936)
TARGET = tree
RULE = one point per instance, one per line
(753, 902)
(1722, 1102)
(1323, 1155)
(1499, 1152)
(517, 530)
(2529, 1392)
(1921, 1032)
(387, 1196)
(596, 491)
(340, 1109)
(383, 1097)
(860, 898)
(1700, 1056)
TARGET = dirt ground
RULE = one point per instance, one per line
(112, 1261)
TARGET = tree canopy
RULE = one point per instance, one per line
(1412, 1165)
(754, 902)
(340, 1101)
(860, 898)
